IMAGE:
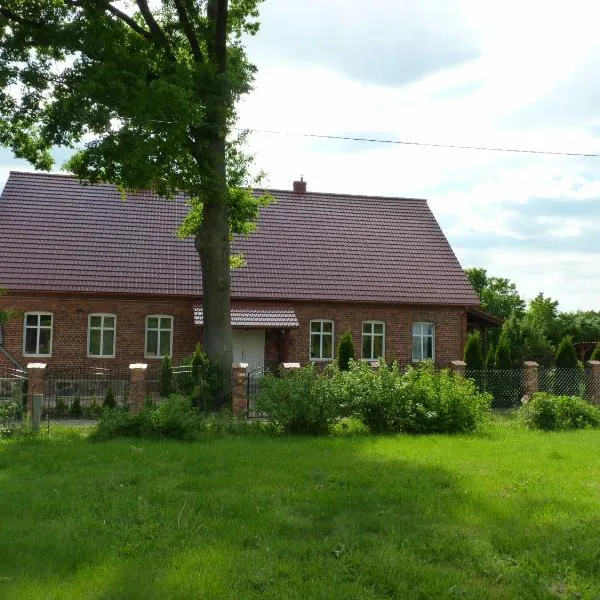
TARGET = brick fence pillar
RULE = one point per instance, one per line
(239, 390)
(458, 366)
(530, 378)
(137, 386)
(36, 384)
(592, 381)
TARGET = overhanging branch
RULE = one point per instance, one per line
(156, 32)
(189, 30)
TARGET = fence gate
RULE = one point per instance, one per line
(253, 379)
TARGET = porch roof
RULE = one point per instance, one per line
(282, 318)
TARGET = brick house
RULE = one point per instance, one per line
(101, 280)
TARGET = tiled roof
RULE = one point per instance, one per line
(59, 235)
(252, 317)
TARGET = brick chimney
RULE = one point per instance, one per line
(300, 186)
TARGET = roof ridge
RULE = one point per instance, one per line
(267, 190)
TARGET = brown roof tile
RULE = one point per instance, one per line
(59, 235)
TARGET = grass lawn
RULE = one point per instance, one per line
(501, 514)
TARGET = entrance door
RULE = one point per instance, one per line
(249, 347)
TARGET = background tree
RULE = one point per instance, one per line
(596, 353)
(473, 352)
(498, 296)
(542, 315)
(345, 351)
(154, 87)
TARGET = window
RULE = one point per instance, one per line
(159, 336)
(321, 340)
(101, 335)
(423, 341)
(37, 334)
(373, 340)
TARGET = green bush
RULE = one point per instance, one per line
(60, 408)
(548, 412)
(490, 359)
(349, 426)
(165, 385)
(75, 410)
(473, 352)
(9, 415)
(303, 402)
(503, 358)
(174, 418)
(109, 399)
(345, 351)
(420, 400)
(566, 358)
(596, 353)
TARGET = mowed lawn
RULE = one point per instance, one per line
(501, 514)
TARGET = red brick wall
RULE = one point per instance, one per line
(450, 328)
(69, 345)
(70, 324)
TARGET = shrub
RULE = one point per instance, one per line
(349, 426)
(596, 353)
(503, 358)
(75, 410)
(109, 399)
(548, 412)
(420, 400)
(174, 418)
(177, 419)
(566, 358)
(206, 379)
(345, 351)
(60, 408)
(166, 377)
(473, 353)
(302, 402)
(9, 415)
(490, 359)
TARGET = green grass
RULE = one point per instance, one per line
(506, 513)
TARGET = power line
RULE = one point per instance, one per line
(425, 144)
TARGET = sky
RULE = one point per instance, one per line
(467, 72)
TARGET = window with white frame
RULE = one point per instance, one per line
(102, 329)
(373, 340)
(37, 334)
(321, 340)
(423, 341)
(159, 336)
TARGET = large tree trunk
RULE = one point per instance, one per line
(212, 244)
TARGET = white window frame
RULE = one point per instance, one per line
(38, 327)
(423, 337)
(372, 337)
(321, 334)
(146, 355)
(102, 329)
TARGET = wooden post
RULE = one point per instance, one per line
(530, 378)
(239, 395)
(592, 381)
(36, 373)
(137, 386)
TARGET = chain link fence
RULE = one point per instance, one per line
(509, 386)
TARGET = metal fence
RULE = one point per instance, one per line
(505, 385)
(82, 392)
(508, 386)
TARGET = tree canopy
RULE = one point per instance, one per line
(498, 296)
(145, 93)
